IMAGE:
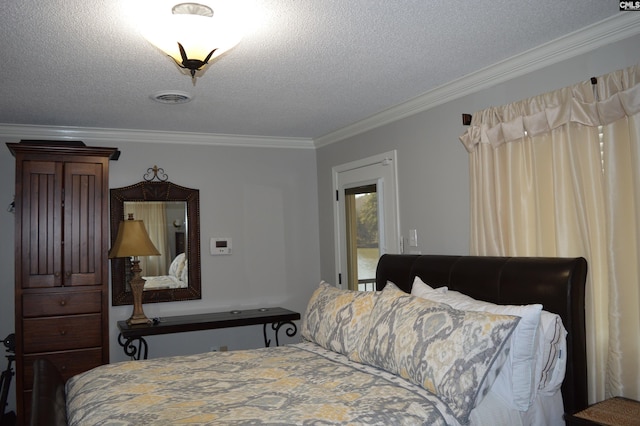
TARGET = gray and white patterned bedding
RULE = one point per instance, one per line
(373, 358)
(301, 384)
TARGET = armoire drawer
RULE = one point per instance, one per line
(62, 333)
(61, 303)
(68, 363)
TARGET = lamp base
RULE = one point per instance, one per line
(137, 287)
(138, 320)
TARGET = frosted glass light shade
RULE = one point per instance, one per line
(199, 34)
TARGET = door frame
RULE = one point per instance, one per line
(388, 206)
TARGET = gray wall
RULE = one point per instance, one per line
(433, 175)
(264, 199)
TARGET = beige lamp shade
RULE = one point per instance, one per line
(132, 240)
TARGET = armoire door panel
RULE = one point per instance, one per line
(41, 218)
(83, 224)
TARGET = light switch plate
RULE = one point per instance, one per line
(413, 238)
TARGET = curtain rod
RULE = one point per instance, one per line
(466, 118)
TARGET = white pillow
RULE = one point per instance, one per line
(551, 356)
(184, 275)
(175, 269)
(421, 289)
(516, 382)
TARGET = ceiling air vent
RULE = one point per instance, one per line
(173, 97)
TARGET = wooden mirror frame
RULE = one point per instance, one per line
(157, 191)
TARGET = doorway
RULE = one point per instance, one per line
(365, 217)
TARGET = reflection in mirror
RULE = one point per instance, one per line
(171, 216)
(166, 222)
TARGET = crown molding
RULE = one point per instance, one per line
(610, 30)
(16, 133)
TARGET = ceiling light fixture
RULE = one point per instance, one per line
(193, 34)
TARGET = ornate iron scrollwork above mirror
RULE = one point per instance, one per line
(171, 214)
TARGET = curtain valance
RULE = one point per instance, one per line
(582, 103)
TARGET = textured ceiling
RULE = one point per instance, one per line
(310, 68)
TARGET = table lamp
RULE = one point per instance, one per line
(133, 241)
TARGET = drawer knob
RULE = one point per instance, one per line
(63, 332)
(63, 302)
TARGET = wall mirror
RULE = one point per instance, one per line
(171, 214)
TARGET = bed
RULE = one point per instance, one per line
(362, 360)
(178, 276)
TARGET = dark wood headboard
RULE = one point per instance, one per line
(557, 283)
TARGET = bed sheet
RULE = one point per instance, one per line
(162, 282)
(545, 410)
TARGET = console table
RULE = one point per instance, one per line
(131, 337)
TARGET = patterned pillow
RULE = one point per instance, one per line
(335, 318)
(449, 352)
(516, 383)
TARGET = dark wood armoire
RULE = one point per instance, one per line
(61, 264)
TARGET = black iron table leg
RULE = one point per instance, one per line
(290, 330)
(134, 347)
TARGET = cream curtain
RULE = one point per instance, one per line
(559, 175)
(154, 216)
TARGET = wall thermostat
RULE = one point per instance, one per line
(220, 246)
